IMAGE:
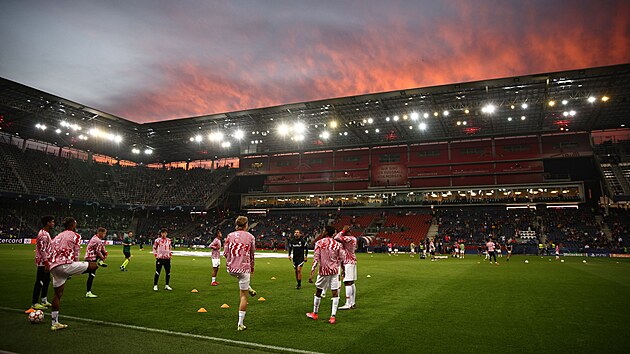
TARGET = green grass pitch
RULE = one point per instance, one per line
(407, 305)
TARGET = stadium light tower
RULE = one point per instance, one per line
(239, 134)
(283, 129)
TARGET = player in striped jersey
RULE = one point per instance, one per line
(215, 245)
(329, 255)
(239, 250)
(63, 262)
(162, 249)
(95, 252)
(41, 257)
(349, 270)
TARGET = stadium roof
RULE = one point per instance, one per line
(577, 100)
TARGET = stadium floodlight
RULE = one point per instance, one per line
(524, 105)
(464, 122)
(459, 122)
(489, 108)
(423, 126)
(345, 133)
(226, 144)
(299, 137)
(299, 128)
(551, 103)
(370, 120)
(387, 119)
(445, 113)
(192, 139)
(565, 113)
(148, 151)
(425, 115)
(198, 138)
(283, 129)
(591, 99)
(414, 116)
(366, 131)
(572, 113)
(523, 117)
(396, 118)
(466, 111)
(565, 102)
(135, 151)
(215, 136)
(118, 138)
(325, 135)
(333, 124)
(377, 130)
(238, 135)
(509, 119)
(58, 131)
(605, 98)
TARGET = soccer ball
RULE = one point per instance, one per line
(36, 316)
(562, 261)
(526, 261)
(584, 261)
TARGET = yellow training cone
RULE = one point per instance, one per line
(194, 291)
(202, 310)
(273, 278)
(225, 306)
(368, 276)
(261, 299)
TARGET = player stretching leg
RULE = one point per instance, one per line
(349, 269)
(216, 257)
(41, 257)
(299, 248)
(95, 252)
(63, 263)
(239, 250)
(329, 255)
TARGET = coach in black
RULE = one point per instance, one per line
(299, 248)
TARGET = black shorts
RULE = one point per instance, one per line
(297, 263)
(432, 253)
(163, 262)
(127, 254)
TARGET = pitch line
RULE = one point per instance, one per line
(181, 334)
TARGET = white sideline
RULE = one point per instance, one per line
(189, 335)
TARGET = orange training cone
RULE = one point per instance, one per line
(202, 310)
(225, 306)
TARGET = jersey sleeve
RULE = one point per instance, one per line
(77, 247)
(316, 255)
(251, 254)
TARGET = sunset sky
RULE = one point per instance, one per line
(150, 60)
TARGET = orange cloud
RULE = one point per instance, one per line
(473, 43)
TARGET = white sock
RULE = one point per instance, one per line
(214, 279)
(44, 299)
(316, 302)
(241, 317)
(348, 295)
(354, 294)
(55, 317)
(323, 292)
(335, 301)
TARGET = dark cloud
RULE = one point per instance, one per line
(154, 60)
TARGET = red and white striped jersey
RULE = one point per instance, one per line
(329, 255)
(162, 248)
(349, 244)
(64, 249)
(216, 248)
(95, 249)
(239, 251)
(42, 247)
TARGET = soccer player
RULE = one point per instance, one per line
(509, 250)
(215, 245)
(349, 270)
(163, 252)
(491, 252)
(412, 249)
(497, 249)
(329, 256)
(95, 252)
(456, 250)
(63, 262)
(390, 246)
(299, 248)
(462, 250)
(127, 241)
(557, 251)
(41, 257)
(239, 250)
(432, 250)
